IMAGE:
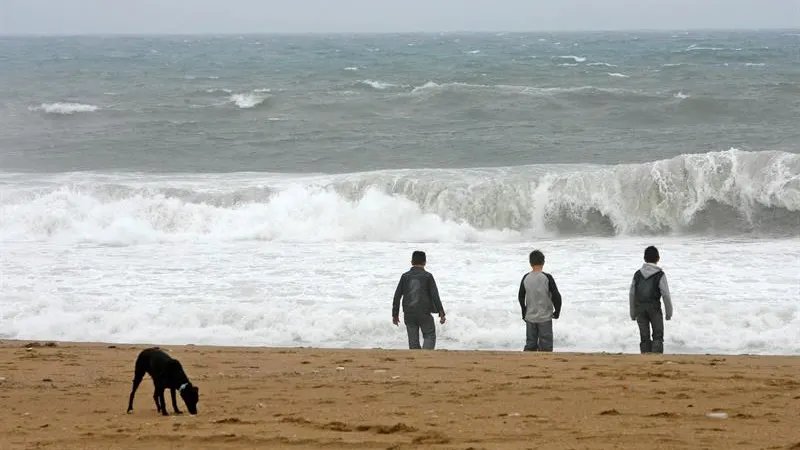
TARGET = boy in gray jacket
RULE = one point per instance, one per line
(541, 303)
(648, 287)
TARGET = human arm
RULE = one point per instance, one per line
(433, 291)
(665, 295)
(555, 296)
(631, 299)
(398, 294)
(521, 295)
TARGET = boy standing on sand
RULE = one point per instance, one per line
(648, 287)
(541, 303)
(417, 288)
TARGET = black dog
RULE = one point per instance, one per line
(166, 372)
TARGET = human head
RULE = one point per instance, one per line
(418, 258)
(536, 258)
(651, 255)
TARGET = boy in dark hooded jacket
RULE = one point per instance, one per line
(420, 298)
(648, 288)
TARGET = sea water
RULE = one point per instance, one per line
(269, 190)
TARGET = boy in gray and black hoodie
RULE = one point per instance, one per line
(648, 288)
(541, 303)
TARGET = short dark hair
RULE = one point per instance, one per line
(536, 258)
(418, 258)
(651, 255)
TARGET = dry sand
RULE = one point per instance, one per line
(74, 396)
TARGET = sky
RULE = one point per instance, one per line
(325, 16)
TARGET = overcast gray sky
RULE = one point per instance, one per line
(280, 16)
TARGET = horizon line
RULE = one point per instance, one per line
(396, 32)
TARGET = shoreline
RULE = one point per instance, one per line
(74, 395)
(141, 345)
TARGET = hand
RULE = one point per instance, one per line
(555, 315)
(669, 317)
(396, 320)
(442, 320)
(633, 319)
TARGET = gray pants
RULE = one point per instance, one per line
(647, 316)
(420, 322)
(539, 336)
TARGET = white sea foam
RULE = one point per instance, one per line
(250, 99)
(601, 64)
(695, 47)
(339, 294)
(577, 59)
(64, 108)
(430, 85)
(618, 75)
(378, 85)
(680, 95)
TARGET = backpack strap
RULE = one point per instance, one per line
(658, 276)
(637, 277)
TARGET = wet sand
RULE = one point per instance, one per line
(74, 396)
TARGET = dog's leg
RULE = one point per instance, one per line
(158, 397)
(133, 393)
(137, 379)
(163, 402)
(155, 399)
(174, 402)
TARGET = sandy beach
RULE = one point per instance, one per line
(74, 396)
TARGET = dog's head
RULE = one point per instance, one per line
(191, 396)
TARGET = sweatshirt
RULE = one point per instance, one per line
(417, 288)
(656, 293)
(539, 297)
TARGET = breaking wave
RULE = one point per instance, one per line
(64, 108)
(728, 192)
(250, 99)
(378, 85)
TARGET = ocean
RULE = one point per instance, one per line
(267, 190)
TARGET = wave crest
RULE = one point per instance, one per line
(64, 108)
(724, 192)
(250, 99)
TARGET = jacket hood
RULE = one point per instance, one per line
(648, 270)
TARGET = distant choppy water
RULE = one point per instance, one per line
(144, 179)
(356, 103)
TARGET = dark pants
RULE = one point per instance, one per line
(647, 316)
(539, 336)
(420, 322)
